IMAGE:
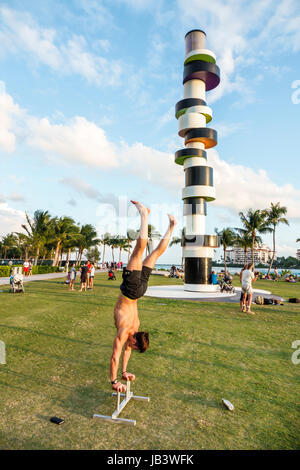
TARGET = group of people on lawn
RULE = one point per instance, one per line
(87, 274)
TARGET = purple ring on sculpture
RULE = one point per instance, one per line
(200, 70)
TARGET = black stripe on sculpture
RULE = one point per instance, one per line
(200, 70)
(197, 270)
(196, 30)
(188, 103)
(194, 205)
(202, 134)
(182, 154)
(209, 241)
(199, 176)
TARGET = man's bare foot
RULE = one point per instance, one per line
(141, 208)
(172, 220)
(251, 313)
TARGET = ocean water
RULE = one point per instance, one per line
(231, 270)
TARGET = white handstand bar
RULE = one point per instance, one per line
(120, 406)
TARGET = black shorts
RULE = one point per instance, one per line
(83, 278)
(135, 283)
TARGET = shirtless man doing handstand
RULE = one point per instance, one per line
(134, 285)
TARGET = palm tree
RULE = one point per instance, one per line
(152, 235)
(227, 237)
(255, 222)
(38, 230)
(244, 240)
(62, 230)
(177, 240)
(9, 241)
(104, 241)
(124, 245)
(132, 235)
(275, 217)
(88, 239)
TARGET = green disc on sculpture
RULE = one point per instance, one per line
(182, 154)
(200, 54)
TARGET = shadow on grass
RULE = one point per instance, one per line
(86, 400)
(63, 338)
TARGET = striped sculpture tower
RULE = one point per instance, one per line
(200, 74)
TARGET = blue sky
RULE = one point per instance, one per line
(87, 96)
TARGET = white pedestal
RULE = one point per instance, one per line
(201, 287)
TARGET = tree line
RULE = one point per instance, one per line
(45, 237)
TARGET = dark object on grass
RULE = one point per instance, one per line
(56, 420)
(294, 300)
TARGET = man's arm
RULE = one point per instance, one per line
(114, 363)
(126, 356)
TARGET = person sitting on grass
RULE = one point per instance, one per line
(134, 285)
(247, 277)
(111, 275)
(83, 277)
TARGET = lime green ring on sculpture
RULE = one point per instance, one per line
(183, 111)
(204, 57)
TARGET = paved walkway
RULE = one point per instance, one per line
(42, 277)
(34, 277)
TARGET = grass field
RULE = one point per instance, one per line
(59, 344)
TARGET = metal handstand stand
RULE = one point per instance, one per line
(120, 406)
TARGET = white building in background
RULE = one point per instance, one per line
(262, 254)
(298, 254)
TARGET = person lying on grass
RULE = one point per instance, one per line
(135, 282)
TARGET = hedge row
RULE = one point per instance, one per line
(5, 270)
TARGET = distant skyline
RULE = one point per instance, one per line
(87, 97)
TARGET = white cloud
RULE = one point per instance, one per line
(10, 219)
(241, 33)
(20, 34)
(240, 188)
(77, 141)
(9, 111)
(83, 142)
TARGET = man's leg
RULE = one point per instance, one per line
(151, 259)
(249, 301)
(136, 259)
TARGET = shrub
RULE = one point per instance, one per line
(5, 270)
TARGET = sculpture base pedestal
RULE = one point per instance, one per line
(201, 287)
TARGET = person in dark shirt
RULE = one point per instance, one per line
(83, 276)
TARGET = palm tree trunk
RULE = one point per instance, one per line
(56, 256)
(225, 260)
(120, 255)
(273, 256)
(103, 253)
(253, 238)
(37, 255)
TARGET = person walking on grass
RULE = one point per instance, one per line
(135, 282)
(247, 278)
(84, 276)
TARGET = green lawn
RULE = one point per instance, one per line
(58, 351)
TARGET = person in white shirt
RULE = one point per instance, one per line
(247, 278)
(92, 275)
(26, 267)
